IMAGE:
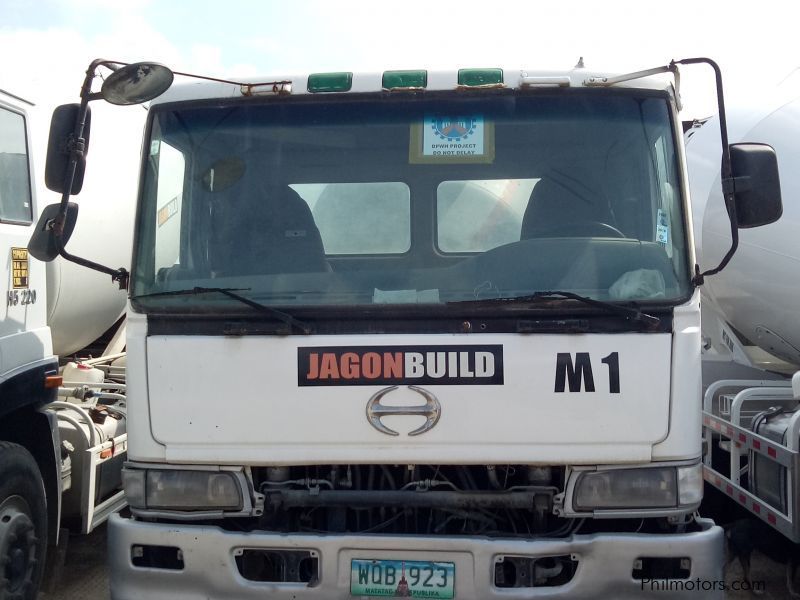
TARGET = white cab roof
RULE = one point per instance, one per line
(186, 88)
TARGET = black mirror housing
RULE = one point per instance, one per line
(62, 131)
(757, 185)
(42, 244)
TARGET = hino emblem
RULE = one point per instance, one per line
(431, 409)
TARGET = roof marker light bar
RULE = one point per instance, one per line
(411, 80)
(530, 81)
(330, 82)
(480, 77)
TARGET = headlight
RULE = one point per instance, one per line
(167, 489)
(627, 489)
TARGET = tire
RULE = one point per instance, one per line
(23, 524)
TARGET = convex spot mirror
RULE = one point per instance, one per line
(62, 133)
(43, 245)
(136, 83)
(758, 188)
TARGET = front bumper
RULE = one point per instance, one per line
(604, 571)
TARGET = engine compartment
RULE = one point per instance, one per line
(411, 499)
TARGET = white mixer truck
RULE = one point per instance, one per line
(62, 431)
(751, 320)
(412, 333)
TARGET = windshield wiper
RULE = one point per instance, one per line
(629, 312)
(231, 293)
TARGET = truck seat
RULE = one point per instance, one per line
(271, 232)
(562, 206)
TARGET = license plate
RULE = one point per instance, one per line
(402, 578)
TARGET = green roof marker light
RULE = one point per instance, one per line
(404, 80)
(480, 77)
(330, 82)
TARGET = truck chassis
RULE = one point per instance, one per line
(730, 446)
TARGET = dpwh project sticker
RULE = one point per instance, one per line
(456, 136)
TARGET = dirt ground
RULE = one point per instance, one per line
(762, 570)
(84, 575)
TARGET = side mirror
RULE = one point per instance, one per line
(758, 188)
(42, 244)
(62, 132)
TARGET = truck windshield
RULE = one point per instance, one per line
(436, 198)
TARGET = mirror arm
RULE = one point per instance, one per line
(77, 150)
(120, 275)
(77, 145)
(727, 179)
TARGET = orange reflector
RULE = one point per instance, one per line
(107, 453)
(53, 381)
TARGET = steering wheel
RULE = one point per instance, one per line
(584, 228)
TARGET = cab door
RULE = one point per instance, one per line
(24, 337)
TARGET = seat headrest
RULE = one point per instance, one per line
(561, 206)
(272, 231)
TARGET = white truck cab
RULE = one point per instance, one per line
(30, 474)
(61, 446)
(412, 333)
(24, 335)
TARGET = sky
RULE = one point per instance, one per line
(46, 46)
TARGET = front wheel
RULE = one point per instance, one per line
(23, 524)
